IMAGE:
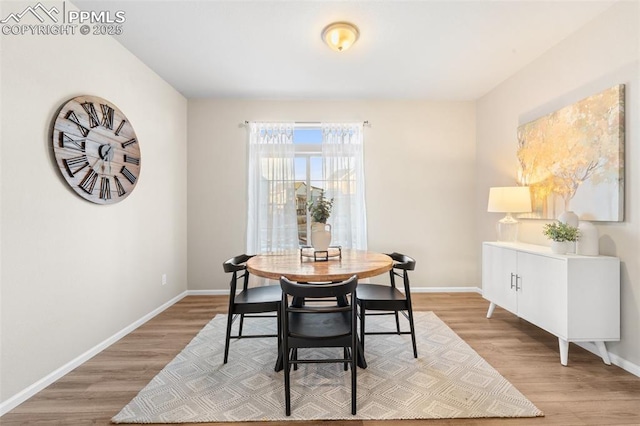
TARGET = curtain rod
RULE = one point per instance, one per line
(365, 122)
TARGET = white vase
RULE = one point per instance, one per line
(588, 244)
(571, 219)
(559, 247)
(320, 236)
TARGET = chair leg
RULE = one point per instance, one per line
(413, 333)
(294, 356)
(241, 324)
(397, 322)
(228, 337)
(346, 356)
(354, 353)
(362, 317)
(279, 330)
(287, 383)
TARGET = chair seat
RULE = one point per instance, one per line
(264, 294)
(379, 292)
(321, 325)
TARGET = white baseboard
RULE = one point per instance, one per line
(446, 290)
(207, 292)
(22, 396)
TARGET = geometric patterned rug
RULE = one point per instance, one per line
(447, 380)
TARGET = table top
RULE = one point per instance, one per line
(364, 264)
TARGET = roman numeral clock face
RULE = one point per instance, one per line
(96, 149)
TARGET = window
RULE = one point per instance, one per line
(290, 165)
(309, 183)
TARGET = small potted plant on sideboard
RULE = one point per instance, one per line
(560, 234)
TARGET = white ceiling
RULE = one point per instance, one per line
(439, 50)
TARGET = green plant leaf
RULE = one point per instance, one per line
(558, 231)
(320, 209)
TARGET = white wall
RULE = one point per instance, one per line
(75, 273)
(420, 188)
(602, 54)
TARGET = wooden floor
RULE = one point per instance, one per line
(587, 392)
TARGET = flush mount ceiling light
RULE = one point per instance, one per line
(339, 36)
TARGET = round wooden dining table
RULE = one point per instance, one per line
(337, 265)
(302, 267)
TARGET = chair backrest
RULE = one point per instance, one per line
(404, 263)
(234, 265)
(319, 291)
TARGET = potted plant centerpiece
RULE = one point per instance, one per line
(560, 234)
(320, 210)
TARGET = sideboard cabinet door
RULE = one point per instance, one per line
(498, 277)
(542, 292)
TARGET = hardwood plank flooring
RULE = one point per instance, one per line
(587, 392)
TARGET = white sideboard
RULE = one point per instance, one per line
(576, 298)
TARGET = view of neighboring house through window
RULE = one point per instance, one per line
(293, 164)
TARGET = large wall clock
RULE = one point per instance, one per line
(96, 149)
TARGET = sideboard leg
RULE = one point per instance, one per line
(564, 351)
(602, 348)
(492, 306)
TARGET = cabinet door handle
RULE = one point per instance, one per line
(518, 277)
(512, 285)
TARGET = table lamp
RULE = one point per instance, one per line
(509, 199)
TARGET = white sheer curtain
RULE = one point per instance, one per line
(343, 162)
(272, 223)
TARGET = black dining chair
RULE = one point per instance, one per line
(388, 300)
(318, 324)
(249, 302)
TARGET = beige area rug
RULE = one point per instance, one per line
(448, 380)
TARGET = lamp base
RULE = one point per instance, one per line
(507, 228)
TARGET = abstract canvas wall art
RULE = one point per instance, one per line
(573, 159)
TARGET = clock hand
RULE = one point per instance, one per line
(109, 155)
(106, 155)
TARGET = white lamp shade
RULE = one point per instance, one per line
(509, 199)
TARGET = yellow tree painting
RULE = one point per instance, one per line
(573, 159)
